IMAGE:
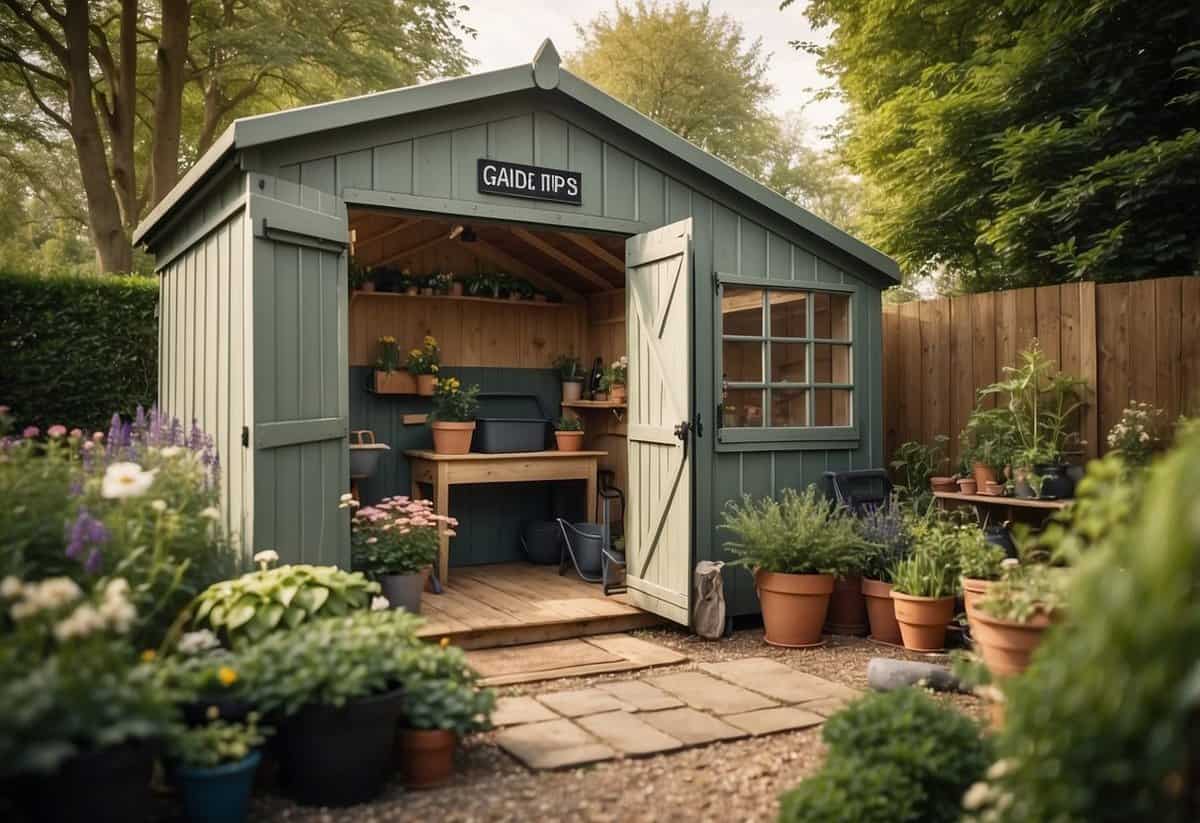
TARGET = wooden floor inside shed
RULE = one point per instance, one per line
(512, 603)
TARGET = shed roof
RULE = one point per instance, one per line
(544, 73)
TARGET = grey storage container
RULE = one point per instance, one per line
(509, 422)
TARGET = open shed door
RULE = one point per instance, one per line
(300, 371)
(658, 525)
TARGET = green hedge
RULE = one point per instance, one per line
(75, 349)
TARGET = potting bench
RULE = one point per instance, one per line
(1034, 508)
(441, 471)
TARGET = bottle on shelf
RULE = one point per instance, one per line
(597, 373)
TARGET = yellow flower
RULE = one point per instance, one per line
(444, 642)
(212, 712)
(227, 676)
(149, 655)
(434, 368)
(415, 353)
(429, 341)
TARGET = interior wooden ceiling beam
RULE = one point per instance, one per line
(596, 250)
(416, 248)
(388, 232)
(492, 254)
(561, 257)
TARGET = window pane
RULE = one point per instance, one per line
(831, 407)
(743, 407)
(789, 407)
(742, 311)
(787, 362)
(831, 316)
(742, 362)
(831, 363)
(789, 313)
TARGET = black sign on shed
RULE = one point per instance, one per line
(530, 182)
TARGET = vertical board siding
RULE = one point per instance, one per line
(1132, 342)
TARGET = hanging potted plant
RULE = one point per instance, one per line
(423, 365)
(396, 541)
(617, 373)
(568, 434)
(214, 765)
(886, 534)
(570, 371)
(389, 378)
(793, 546)
(1010, 620)
(924, 586)
(453, 416)
(442, 703)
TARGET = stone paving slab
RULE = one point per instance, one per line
(701, 691)
(770, 721)
(512, 711)
(629, 733)
(641, 695)
(553, 744)
(581, 702)
(690, 727)
(776, 680)
(826, 706)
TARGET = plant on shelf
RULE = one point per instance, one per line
(1139, 434)
(885, 531)
(360, 277)
(486, 285)
(441, 282)
(925, 583)
(396, 542)
(215, 765)
(568, 433)
(453, 416)
(389, 379)
(918, 464)
(570, 371)
(986, 445)
(522, 288)
(794, 546)
(424, 364)
(406, 282)
(613, 379)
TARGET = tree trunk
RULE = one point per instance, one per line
(171, 59)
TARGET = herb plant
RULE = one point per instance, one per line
(452, 403)
(216, 742)
(931, 568)
(885, 531)
(441, 691)
(568, 424)
(916, 463)
(569, 368)
(396, 536)
(977, 558)
(1025, 591)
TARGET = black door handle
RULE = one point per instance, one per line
(682, 430)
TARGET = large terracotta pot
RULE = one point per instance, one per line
(452, 438)
(572, 390)
(425, 384)
(569, 441)
(847, 608)
(396, 382)
(426, 756)
(881, 612)
(973, 591)
(983, 474)
(923, 621)
(1006, 645)
(793, 607)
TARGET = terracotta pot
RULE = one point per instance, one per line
(1005, 645)
(397, 382)
(452, 438)
(427, 291)
(923, 621)
(426, 756)
(793, 607)
(600, 397)
(425, 384)
(617, 394)
(994, 488)
(847, 608)
(973, 591)
(943, 483)
(967, 486)
(456, 289)
(540, 298)
(367, 287)
(412, 291)
(569, 441)
(881, 612)
(514, 297)
(572, 390)
(983, 474)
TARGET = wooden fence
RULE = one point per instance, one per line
(1130, 341)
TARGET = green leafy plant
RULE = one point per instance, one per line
(916, 463)
(248, 608)
(216, 742)
(569, 368)
(452, 403)
(884, 530)
(568, 424)
(1026, 590)
(397, 535)
(894, 757)
(977, 558)
(426, 359)
(1139, 434)
(801, 533)
(988, 438)
(441, 282)
(931, 568)
(358, 275)
(387, 356)
(441, 691)
(522, 287)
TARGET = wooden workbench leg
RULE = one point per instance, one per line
(441, 504)
(591, 495)
(416, 489)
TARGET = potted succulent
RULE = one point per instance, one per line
(1010, 620)
(423, 365)
(570, 371)
(453, 416)
(389, 379)
(442, 703)
(924, 586)
(616, 375)
(793, 546)
(568, 434)
(396, 542)
(886, 534)
(335, 688)
(215, 765)
(980, 563)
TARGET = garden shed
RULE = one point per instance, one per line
(752, 328)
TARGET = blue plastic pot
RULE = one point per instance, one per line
(219, 794)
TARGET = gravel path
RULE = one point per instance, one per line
(736, 781)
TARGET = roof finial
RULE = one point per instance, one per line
(545, 65)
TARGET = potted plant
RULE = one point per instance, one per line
(1010, 620)
(441, 282)
(966, 484)
(885, 532)
(568, 434)
(409, 284)
(986, 444)
(396, 541)
(442, 703)
(570, 371)
(456, 286)
(510, 287)
(520, 289)
(389, 379)
(335, 687)
(616, 375)
(453, 416)
(360, 277)
(980, 563)
(426, 285)
(215, 765)
(423, 364)
(485, 285)
(203, 676)
(917, 464)
(793, 546)
(924, 586)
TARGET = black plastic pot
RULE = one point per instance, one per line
(339, 756)
(508, 422)
(109, 785)
(1056, 484)
(542, 541)
(999, 535)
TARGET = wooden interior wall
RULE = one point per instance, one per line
(606, 340)
(1137, 341)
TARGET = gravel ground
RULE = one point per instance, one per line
(734, 781)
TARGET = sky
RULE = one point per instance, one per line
(509, 32)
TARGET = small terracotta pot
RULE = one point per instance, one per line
(973, 591)
(847, 608)
(514, 297)
(412, 291)
(1005, 645)
(572, 390)
(452, 438)
(923, 621)
(397, 382)
(793, 607)
(600, 397)
(569, 441)
(881, 612)
(540, 298)
(425, 384)
(943, 483)
(617, 394)
(367, 287)
(426, 756)
(983, 474)
(994, 488)
(967, 486)
(427, 291)
(456, 289)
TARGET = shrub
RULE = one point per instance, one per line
(396, 536)
(75, 347)
(850, 790)
(441, 691)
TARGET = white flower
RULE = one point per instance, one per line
(211, 513)
(198, 641)
(10, 587)
(81, 622)
(346, 498)
(116, 589)
(378, 603)
(159, 506)
(1001, 768)
(265, 558)
(1145, 437)
(171, 451)
(976, 796)
(1009, 562)
(125, 480)
(52, 593)
(118, 614)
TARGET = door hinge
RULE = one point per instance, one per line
(699, 426)
(716, 283)
(245, 437)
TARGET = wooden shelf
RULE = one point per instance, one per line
(592, 404)
(466, 298)
(1003, 500)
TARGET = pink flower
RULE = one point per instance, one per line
(31, 431)
(4, 410)
(57, 430)
(97, 437)
(76, 433)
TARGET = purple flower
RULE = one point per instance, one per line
(94, 561)
(139, 420)
(86, 532)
